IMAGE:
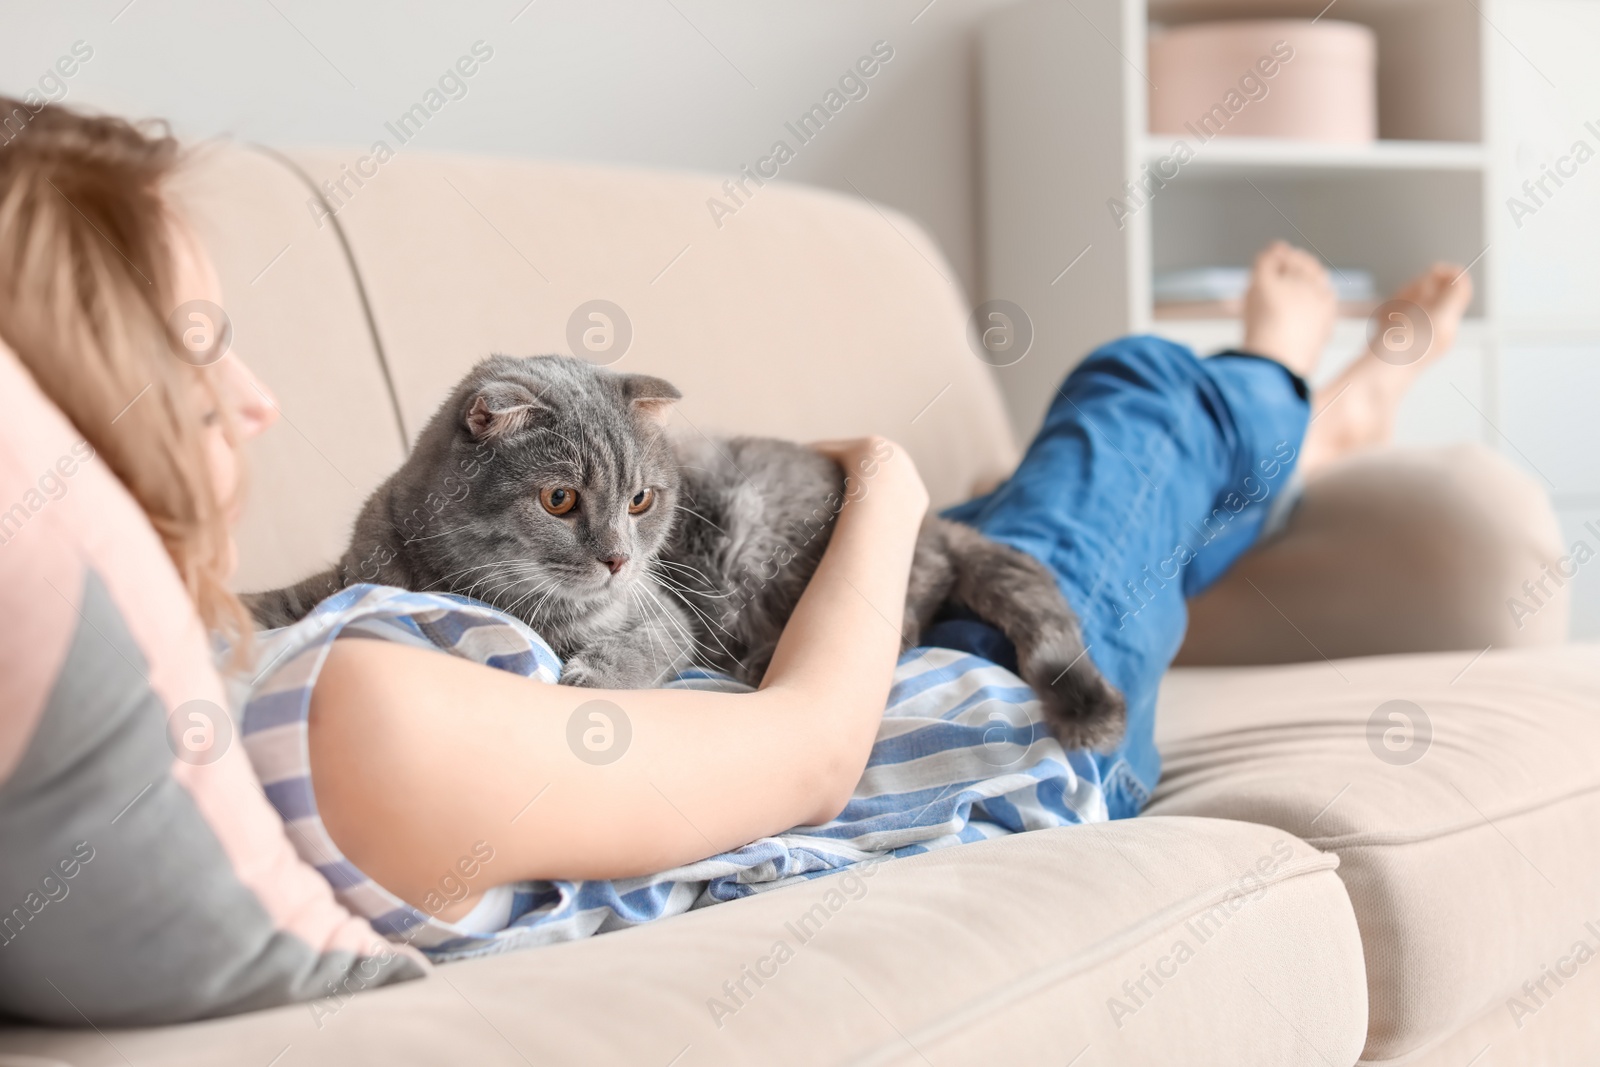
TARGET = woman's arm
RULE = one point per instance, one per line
(418, 756)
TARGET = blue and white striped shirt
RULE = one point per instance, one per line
(961, 755)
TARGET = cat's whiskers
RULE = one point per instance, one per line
(659, 612)
(712, 624)
(683, 596)
(672, 585)
(533, 612)
(546, 591)
(542, 584)
(685, 592)
(515, 578)
(513, 574)
(503, 579)
(646, 613)
(685, 589)
(693, 642)
(678, 587)
(702, 518)
(696, 572)
(430, 537)
(650, 614)
(481, 566)
(505, 566)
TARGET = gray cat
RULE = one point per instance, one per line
(547, 488)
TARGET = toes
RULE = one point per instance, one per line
(1432, 284)
(1454, 285)
(1270, 260)
(1443, 287)
(1283, 260)
(1305, 265)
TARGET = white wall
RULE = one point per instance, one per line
(696, 84)
(1547, 100)
(709, 84)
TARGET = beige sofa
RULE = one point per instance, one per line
(1292, 897)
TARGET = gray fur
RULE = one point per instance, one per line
(462, 515)
(715, 565)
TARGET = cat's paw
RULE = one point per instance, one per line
(1082, 708)
(578, 673)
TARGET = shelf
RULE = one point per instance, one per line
(1059, 176)
(1180, 11)
(1208, 336)
(1224, 155)
(1390, 223)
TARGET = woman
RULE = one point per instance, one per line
(1153, 473)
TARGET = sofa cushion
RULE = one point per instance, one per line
(1025, 949)
(1553, 1026)
(806, 315)
(1461, 792)
(144, 877)
(1396, 549)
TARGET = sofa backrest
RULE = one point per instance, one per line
(801, 314)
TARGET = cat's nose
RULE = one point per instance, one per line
(614, 563)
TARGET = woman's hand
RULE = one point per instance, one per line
(878, 465)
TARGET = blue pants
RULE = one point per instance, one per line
(1153, 472)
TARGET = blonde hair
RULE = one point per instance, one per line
(86, 287)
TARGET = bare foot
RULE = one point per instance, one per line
(1289, 309)
(1409, 333)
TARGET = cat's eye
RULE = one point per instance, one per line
(641, 501)
(558, 501)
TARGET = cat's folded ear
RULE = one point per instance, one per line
(650, 397)
(500, 409)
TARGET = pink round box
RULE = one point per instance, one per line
(1265, 78)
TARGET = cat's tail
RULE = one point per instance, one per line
(1086, 710)
(1018, 595)
(280, 607)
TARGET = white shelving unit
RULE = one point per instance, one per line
(1065, 110)
(1250, 155)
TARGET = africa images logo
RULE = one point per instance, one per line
(853, 85)
(336, 193)
(1252, 86)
